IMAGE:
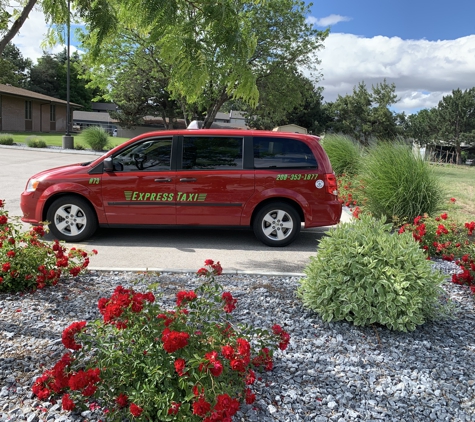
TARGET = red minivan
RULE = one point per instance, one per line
(271, 182)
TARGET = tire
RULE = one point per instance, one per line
(72, 219)
(277, 224)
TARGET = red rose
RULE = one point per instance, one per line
(6, 267)
(174, 340)
(67, 403)
(174, 408)
(135, 410)
(250, 396)
(180, 366)
(201, 407)
(185, 296)
(122, 400)
(70, 332)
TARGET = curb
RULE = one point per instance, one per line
(189, 271)
(55, 149)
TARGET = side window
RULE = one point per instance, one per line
(151, 155)
(282, 153)
(212, 152)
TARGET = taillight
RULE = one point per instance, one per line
(331, 186)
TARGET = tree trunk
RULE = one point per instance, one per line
(16, 25)
(213, 111)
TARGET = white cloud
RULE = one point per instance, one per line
(328, 20)
(31, 36)
(423, 71)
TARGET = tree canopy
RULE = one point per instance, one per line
(202, 63)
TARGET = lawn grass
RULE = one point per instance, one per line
(458, 182)
(56, 140)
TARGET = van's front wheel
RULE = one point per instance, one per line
(277, 224)
(71, 219)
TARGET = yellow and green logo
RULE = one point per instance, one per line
(164, 196)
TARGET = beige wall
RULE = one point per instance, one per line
(13, 116)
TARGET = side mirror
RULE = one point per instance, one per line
(108, 164)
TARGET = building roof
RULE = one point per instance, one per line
(20, 92)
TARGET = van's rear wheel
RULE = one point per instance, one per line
(71, 219)
(277, 224)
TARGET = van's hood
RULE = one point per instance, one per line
(63, 170)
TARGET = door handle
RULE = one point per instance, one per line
(163, 179)
(188, 179)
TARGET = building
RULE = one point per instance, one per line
(290, 128)
(27, 111)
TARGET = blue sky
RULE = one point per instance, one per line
(425, 47)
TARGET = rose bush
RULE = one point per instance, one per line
(442, 238)
(192, 363)
(28, 263)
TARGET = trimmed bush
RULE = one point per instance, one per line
(344, 154)
(96, 137)
(6, 139)
(35, 142)
(366, 274)
(398, 184)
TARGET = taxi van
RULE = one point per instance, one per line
(271, 182)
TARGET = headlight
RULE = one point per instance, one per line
(32, 185)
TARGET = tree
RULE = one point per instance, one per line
(205, 62)
(48, 77)
(364, 115)
(422, 126)
(456, 119)
(14, 68)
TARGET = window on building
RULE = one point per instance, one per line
(28, 110)
(52, 113)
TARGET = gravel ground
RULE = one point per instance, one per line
(330, 371)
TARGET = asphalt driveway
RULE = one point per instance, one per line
(174, 249)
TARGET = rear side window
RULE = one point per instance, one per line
(151, 155)
(282, 153)
(209, 152)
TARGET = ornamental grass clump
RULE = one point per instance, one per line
(35, 142)
(96, 137)
(365, 274)
(344, 154)
(28, 263)
(192, 363)
(398, 184)
(6, 139)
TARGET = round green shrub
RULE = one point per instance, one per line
(344, 154)
(96, 137)
(366, 274)
(6, 139)
(398, 184)
(35, 142)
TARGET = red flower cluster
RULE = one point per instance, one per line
(122, 400)
(224, 409)
(85, 381)
(284, 336)
(180, 365)
(174, 340)
(67, 403)
(470, 227)
(174, 408)
(69, 333)
(230, 302)
(212, 364)
(122, 299)
(135, 410)
(54, 380)
(264, 359)
(466, 277)
(212, 270)
(184, 297)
